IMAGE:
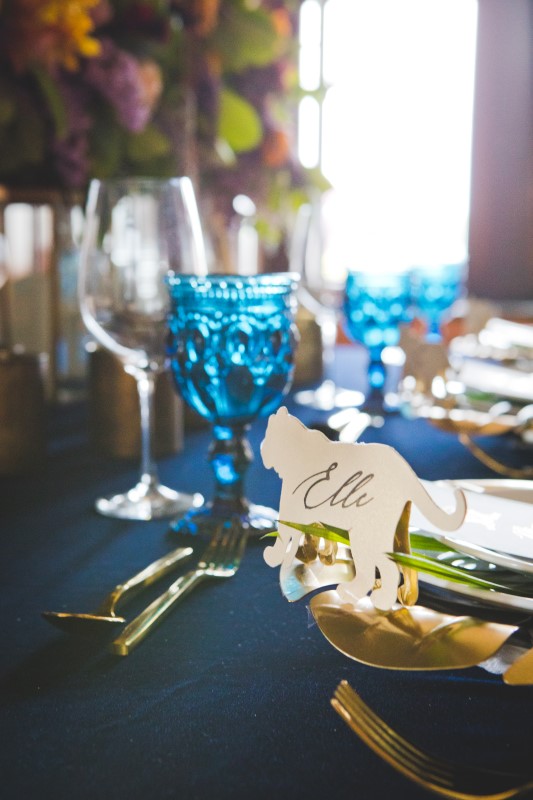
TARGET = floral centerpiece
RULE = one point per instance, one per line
(104, 88)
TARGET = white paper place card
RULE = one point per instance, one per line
(361, 488)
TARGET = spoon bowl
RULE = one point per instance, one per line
(105, 618)
(87, 624)
(406, 637)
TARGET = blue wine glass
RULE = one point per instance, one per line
(375, 304)
(434, 290)
(232, 343)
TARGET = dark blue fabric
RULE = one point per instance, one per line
(229, 697)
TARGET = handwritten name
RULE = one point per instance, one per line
(318, 489)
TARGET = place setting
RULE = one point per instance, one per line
(229, 341)
(357, 522)
(486, 404)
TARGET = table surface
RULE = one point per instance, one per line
(230, 696)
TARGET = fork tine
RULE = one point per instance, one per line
(220, 560)
(209, 557)
(230, 544)
(388, 740)
(375, 744)
(445, 778)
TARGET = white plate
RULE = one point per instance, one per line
(500, 599)
(512, 489)
(521, 492)
(497, 380)
(496, 528)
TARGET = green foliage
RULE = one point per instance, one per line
(239, 123)
(53, 100)
(148, 145)
(245, 37)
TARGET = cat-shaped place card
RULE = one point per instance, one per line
(365, 489)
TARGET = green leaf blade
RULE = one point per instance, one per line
(239, 123)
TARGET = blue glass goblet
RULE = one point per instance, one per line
(231, 345)
(434, 290)
(375, 303)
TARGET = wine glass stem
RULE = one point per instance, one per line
(146, 389)
(230, 455)
(328, 332)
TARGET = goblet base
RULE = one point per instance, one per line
(147, 501)
(205, 520)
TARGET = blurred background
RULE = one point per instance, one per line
(408, 123)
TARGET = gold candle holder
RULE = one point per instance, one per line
(114, 415)
(22, 414)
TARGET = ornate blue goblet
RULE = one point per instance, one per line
(434, 290)
(231, 346)
(375, 303)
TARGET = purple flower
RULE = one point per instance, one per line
(116, 76)
(71, 152)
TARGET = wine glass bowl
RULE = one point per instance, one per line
(322, 296)
(136, 230)
(231, 344)
(375, 304)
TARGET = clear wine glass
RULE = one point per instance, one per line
(137, 229)
(323, 298)
(231, 344)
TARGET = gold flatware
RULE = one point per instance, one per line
(470, 421)
(520, 673)
(461, 782)
(406, 637)
(221, 560)
(104, 617)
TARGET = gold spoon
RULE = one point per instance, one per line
(406, 637)
(104, 618)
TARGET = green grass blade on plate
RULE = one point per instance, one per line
(433, 566)
(317, 529)
(421, 542)
(418, 539)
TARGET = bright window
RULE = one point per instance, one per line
(388, 116)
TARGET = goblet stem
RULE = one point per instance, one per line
(230, 455)
(376, 370)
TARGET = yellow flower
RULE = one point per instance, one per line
(72, 22)
(52, 32)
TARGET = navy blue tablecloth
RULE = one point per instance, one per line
(230, 696)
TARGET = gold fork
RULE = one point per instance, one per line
(220, 560)
(442, 777)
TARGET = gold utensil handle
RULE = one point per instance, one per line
(148, 575)
(138, 628)
(493, 463)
